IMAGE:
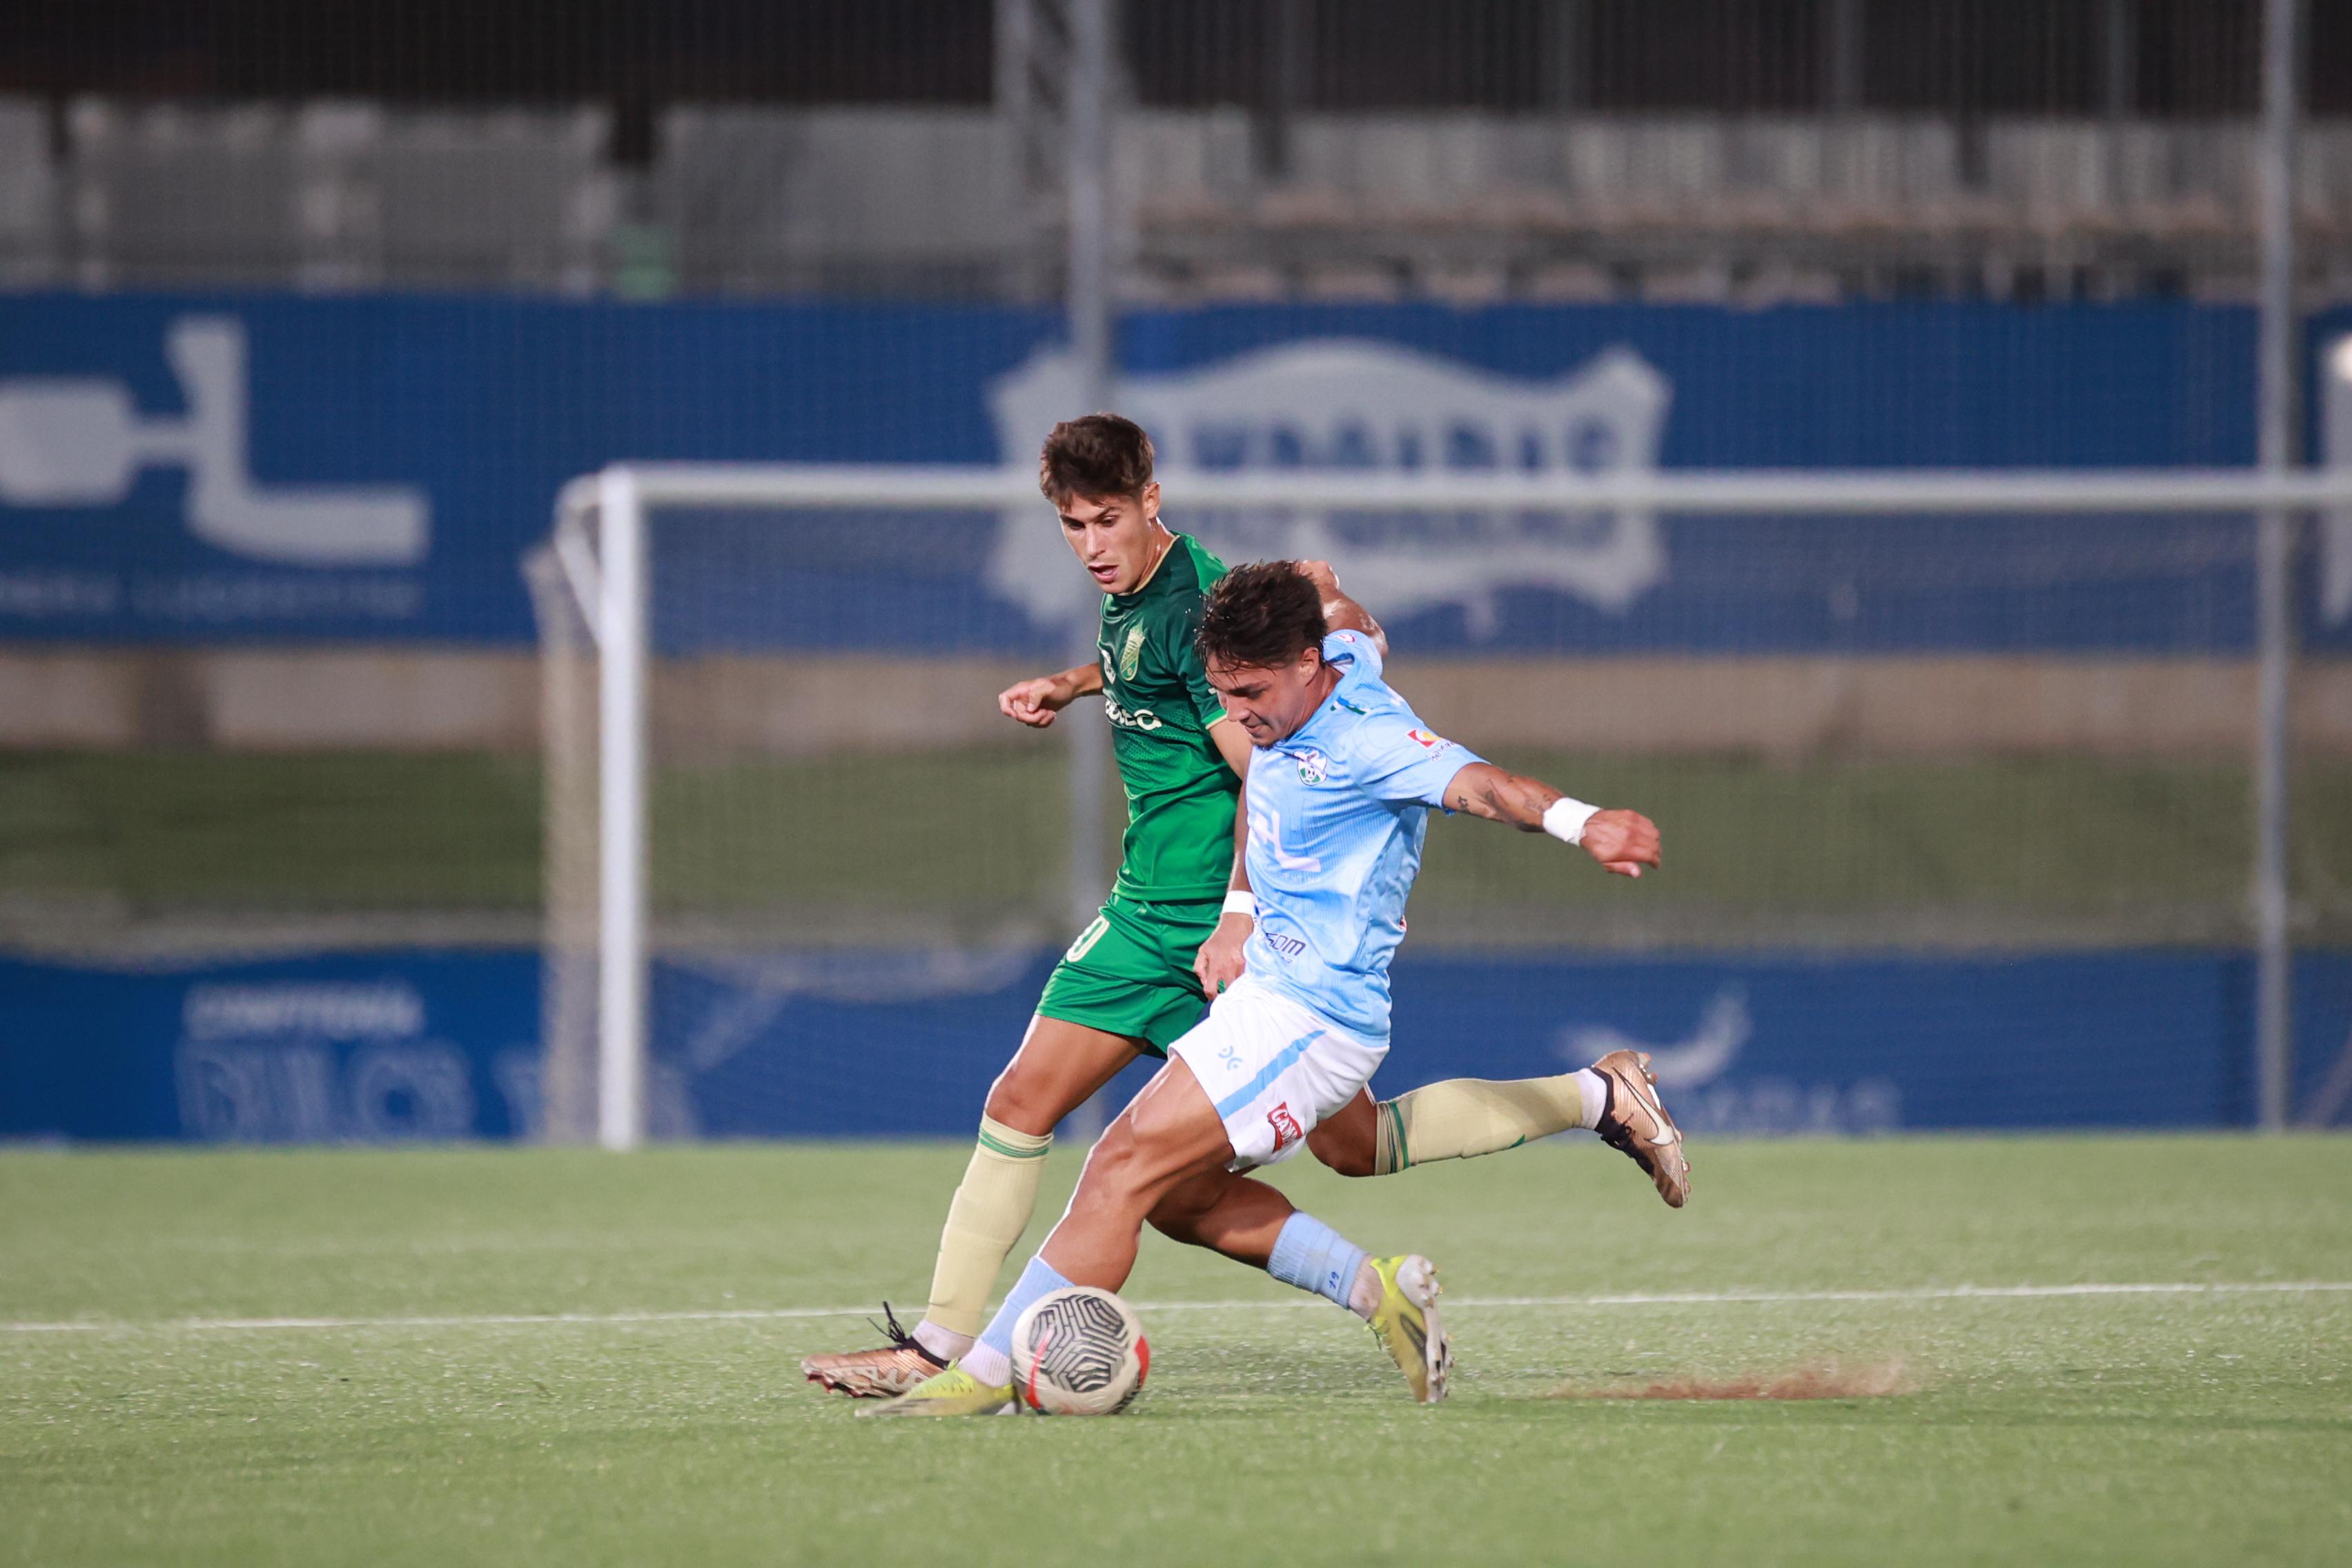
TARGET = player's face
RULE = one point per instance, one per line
(1271, 705)
(1113, 536)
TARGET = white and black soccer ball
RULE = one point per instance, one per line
(1078, 1351)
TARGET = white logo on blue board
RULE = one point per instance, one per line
(1714, 1100)
(1358, 405)
(81, 442)
(1693, 1062)
(312, 1061)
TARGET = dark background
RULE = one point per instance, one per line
(2178, 57)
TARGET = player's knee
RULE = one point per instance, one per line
(1337, 1150)
(1179, 1212)
(1114, 1172)
(1124, 1172)
(1019, 1100)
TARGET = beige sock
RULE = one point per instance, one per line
(990, 1210)
(1466, 1117)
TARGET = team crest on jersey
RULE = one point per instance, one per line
(1287, 1129)
(1314, 767)
(1130, 656)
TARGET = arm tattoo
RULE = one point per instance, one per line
(1505, 797)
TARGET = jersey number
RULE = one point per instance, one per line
(1265, 827)
(1086, 938)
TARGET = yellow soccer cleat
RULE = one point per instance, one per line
(1407, 1325)
(954, 1392)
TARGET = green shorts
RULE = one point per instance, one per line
(1130, 971)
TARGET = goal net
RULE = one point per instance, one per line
(1956, 774)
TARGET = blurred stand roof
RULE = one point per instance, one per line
(2052, 56)
(1750, 150)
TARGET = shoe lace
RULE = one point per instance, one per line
(1620, 1137)
(1614, 1129)
(900, 1339)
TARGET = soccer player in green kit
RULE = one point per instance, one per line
(1171, 936)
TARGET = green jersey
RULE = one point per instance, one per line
(1178, 843)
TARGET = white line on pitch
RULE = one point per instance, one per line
(1924, 1293)
(773, 1315)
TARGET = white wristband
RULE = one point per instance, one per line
(1565, 818)
(1242, 901)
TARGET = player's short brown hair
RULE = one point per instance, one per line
(1263, 615)
(1098, 456)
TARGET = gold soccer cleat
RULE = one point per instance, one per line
(1636, 1125)
(884, 1374)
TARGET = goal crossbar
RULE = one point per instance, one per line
(600, 545)
(2056, 492)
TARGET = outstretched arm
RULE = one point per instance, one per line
(1034, 702)
(1622, 841)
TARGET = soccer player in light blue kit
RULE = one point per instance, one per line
(1341, 778)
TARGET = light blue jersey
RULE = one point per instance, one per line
(1337, 814)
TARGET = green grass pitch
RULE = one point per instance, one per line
(552, 1356)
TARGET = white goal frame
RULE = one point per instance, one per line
(605, 569)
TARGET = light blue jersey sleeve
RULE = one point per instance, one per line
(1391, 757)
(1396, 760)
(1356, 649)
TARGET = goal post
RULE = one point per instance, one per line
(602, 566)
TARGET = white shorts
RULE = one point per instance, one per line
(1273, 1070)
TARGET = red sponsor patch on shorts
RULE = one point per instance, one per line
(1287, 1129)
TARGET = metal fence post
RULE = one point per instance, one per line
(2275, 565)
(1090, 343)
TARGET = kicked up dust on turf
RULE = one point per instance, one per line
(1815, 1380)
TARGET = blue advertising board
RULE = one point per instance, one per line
(227, 468)
(404, 1045)
(1764, 1045)
(328, 1048)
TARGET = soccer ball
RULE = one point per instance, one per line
(1078, 1351)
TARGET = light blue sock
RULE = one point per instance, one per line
(1313, 1256)
(1040, 1279)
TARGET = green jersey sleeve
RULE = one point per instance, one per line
(1181, 656)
